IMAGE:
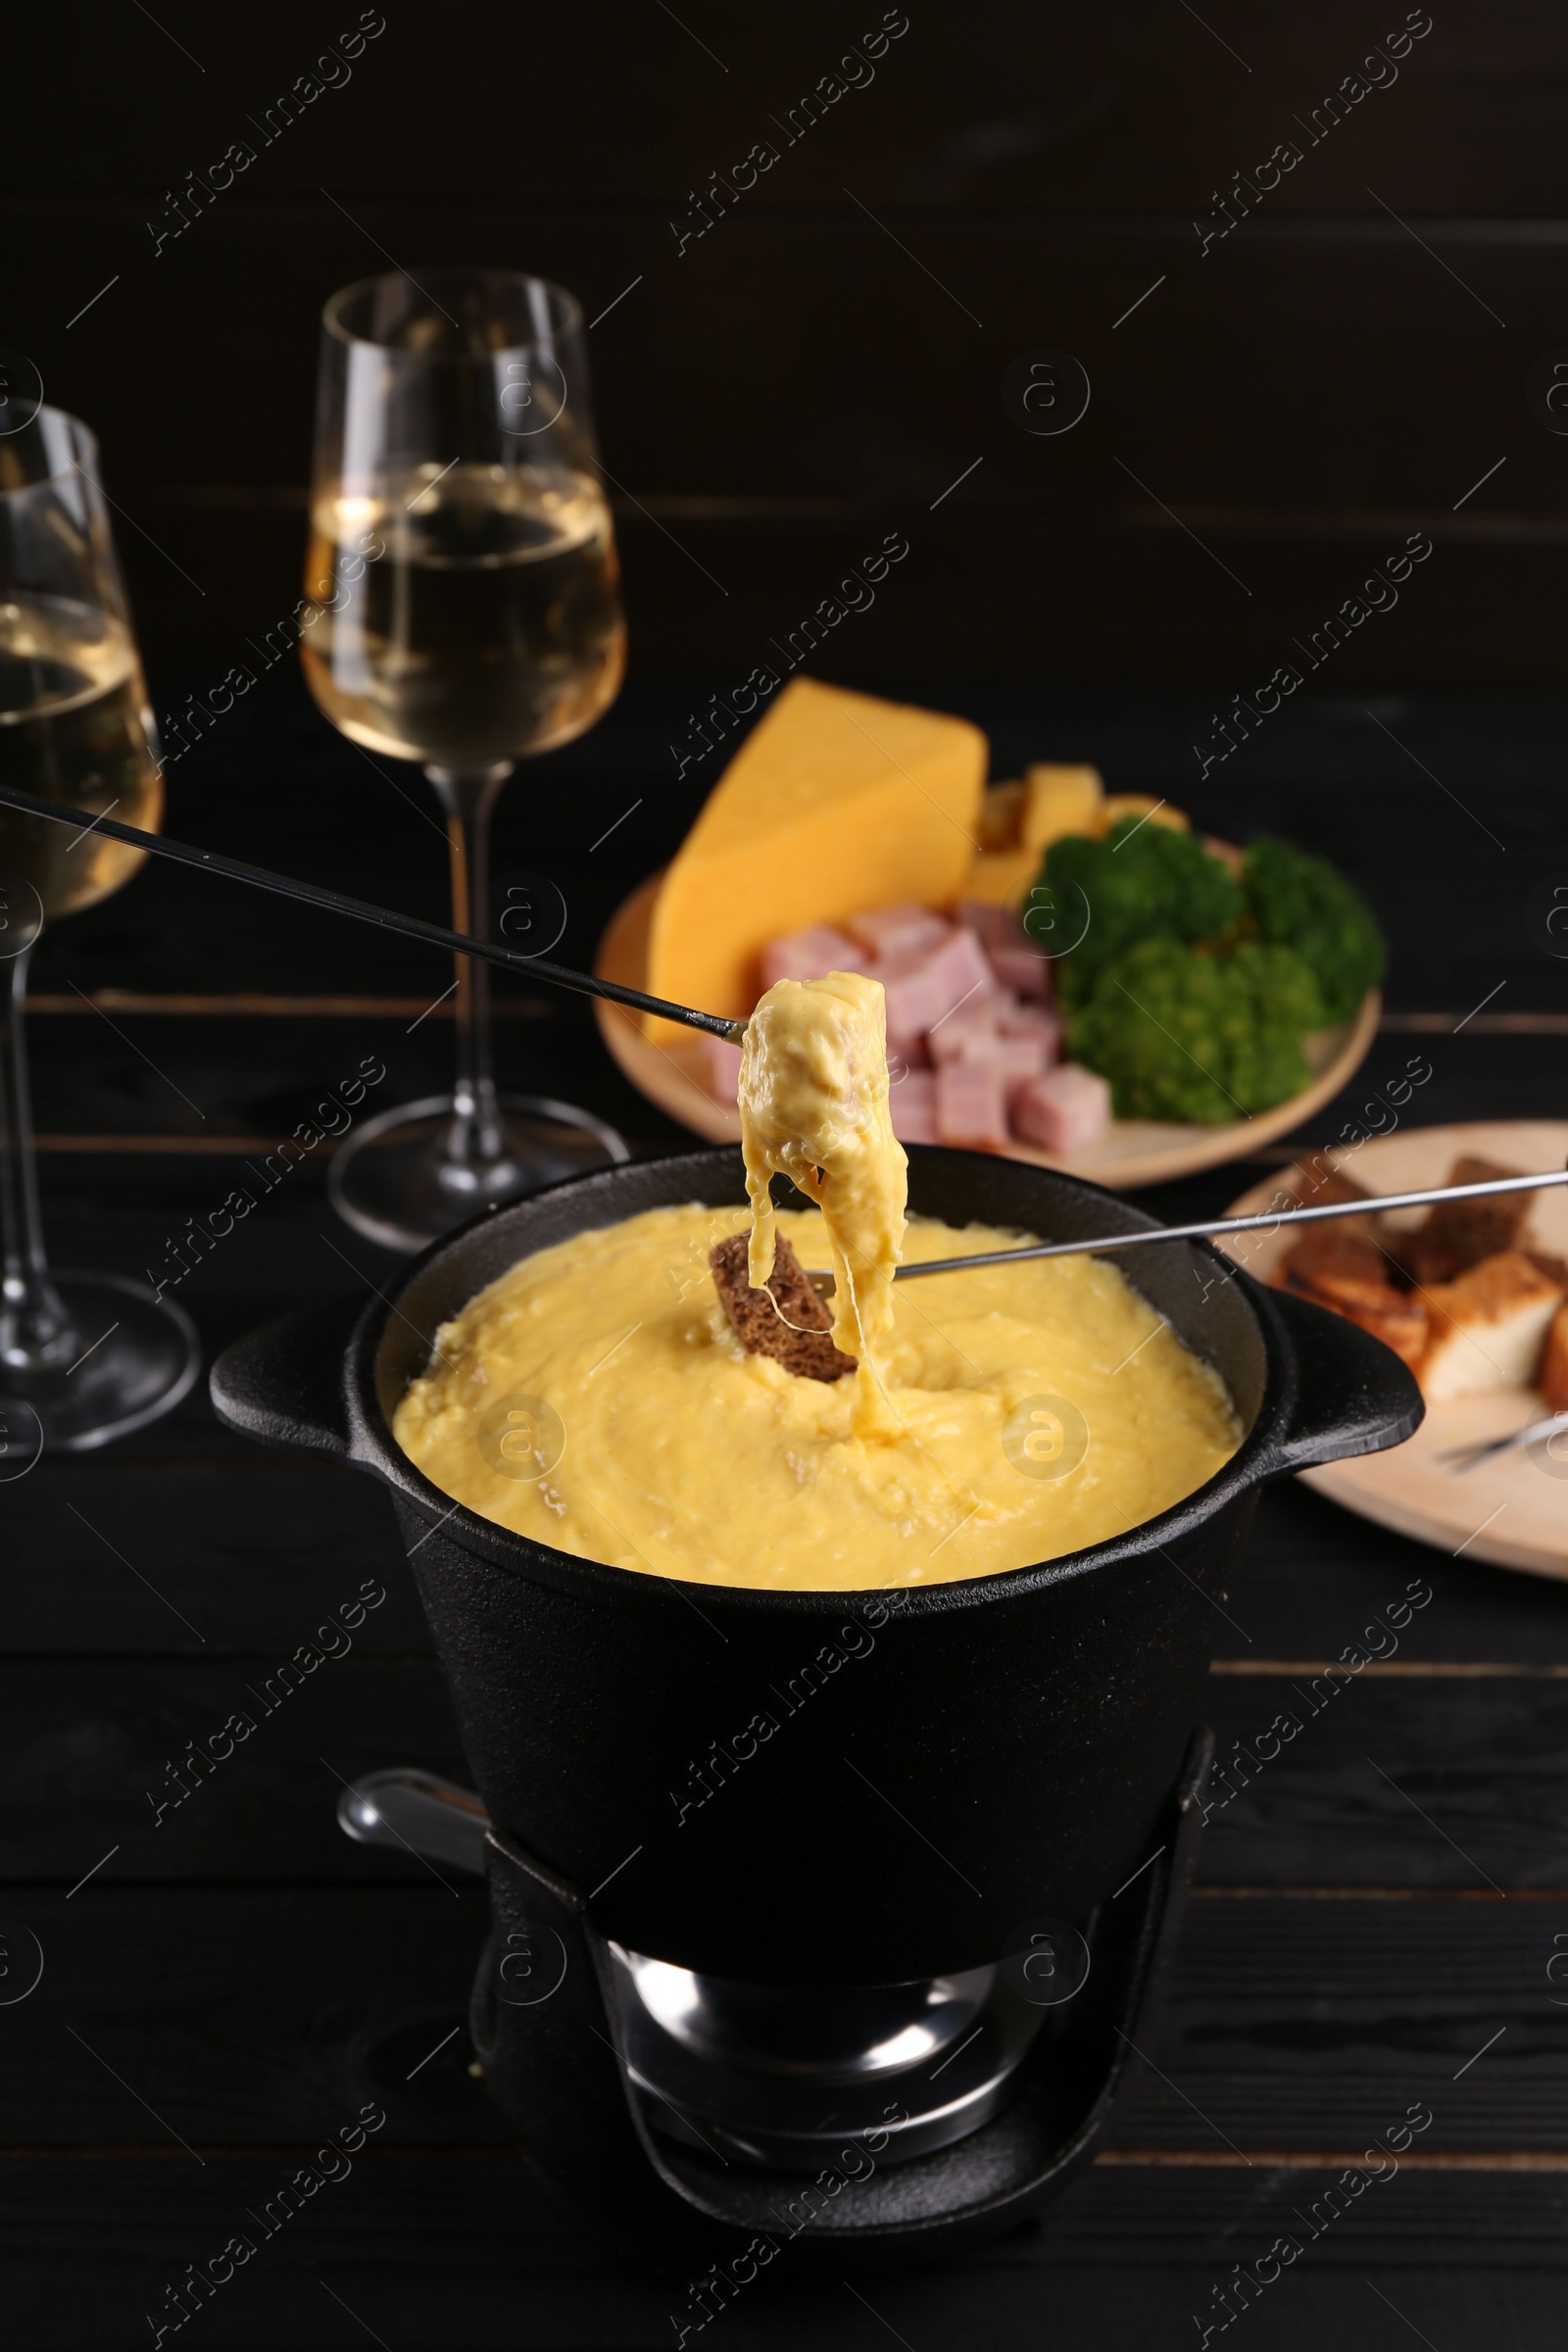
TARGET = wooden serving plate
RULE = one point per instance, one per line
(1511, 1512)
(1135, 1152)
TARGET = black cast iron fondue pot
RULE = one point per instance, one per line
(944, 1764)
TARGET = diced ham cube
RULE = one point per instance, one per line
(1066, 1109)
(719, 1068)
(952, 1035)
(1013, 1058)
(994, 926)
(896, 930)
(971, 1109)
(912, 1102)
(908, 1052)
(811, 954)
(1032, 1020)
(1021, 968)
(923, 984)
(1014, 958)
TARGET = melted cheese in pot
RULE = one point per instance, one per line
(673, 1452)
(814, 1103)
(596, 1399)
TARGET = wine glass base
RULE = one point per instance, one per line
(136, 1357)
(395, 1185)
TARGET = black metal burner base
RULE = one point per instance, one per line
(547, 2028)
(782, 2076)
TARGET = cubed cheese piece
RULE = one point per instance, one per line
(809, 955)
(1143, 804)
(999, 811)
(1001, 877)
(929, 982)
(1066, 1110)
(971, 1106)
(1488, 1327)
(1022, 968)
(719, 1067)
(912, 1103)
(1058, 801)
(889, 930)
(956, 1030)
(834, 800)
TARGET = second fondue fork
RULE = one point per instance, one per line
(1216, 1228)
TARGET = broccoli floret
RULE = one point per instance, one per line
(1141, 882)
(1199, 1036)
(1302, 901)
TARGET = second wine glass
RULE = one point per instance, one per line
(463, 611)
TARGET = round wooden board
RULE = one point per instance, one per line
(1135, 1152)
(1509, 1512)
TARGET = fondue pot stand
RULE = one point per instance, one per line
(870, 1980)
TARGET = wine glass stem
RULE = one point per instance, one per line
(35, 1328)
(467, 795)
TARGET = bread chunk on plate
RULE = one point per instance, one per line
(1488, 1327)
(1553, 1380)
(1318, 1184)
(1459, 1235)
(1348, 1274)
(1347, 1269)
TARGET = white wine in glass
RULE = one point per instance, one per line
(465, 612)
(84, 1358)
(489, 626)
(72, 729)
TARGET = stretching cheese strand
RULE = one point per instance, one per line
(814, 1103)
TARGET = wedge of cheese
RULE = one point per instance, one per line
(834, 802)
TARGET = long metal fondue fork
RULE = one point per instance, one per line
(1211, 1228)
(364, 910)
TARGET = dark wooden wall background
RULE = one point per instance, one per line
(1338, 371)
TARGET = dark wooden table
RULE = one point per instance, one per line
(1376, 1917)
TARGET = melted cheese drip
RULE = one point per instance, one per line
(814, 1103)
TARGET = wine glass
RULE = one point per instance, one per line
(463, 611)
(84, 1358)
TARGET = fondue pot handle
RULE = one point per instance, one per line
(1352, 1394)
(284, 1383)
